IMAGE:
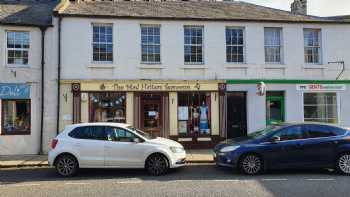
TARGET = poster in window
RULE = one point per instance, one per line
(183, 113)
(182, 127)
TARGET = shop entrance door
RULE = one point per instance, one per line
(274, 107)
(151, 114)
(236, 114)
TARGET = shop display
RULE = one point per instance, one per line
(107, 107)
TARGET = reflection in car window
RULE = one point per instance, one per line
(118, 134)
(291, 133)
(143, 134)
(90, 132)
(264, 132)
(317, 131)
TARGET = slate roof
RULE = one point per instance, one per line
(27, 12)
(182, 10)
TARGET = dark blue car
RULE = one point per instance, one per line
(283, 146)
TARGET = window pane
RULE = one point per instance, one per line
(17, 47)
(273, 45)
(193, 50)
(312, 45)
(320, 107)
(107, 107)
(150, 38)
(103, 43)
(16, 116)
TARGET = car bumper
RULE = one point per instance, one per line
(178, 160)
(224, 160)
(50, 158)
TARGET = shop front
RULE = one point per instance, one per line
(186, 111)
(254, 104)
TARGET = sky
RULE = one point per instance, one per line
(315, 7)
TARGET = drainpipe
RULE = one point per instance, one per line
(59, 76)
(43, 30)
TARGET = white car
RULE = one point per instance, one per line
(113, 145)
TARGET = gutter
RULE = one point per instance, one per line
(43, 31)
(59, 76)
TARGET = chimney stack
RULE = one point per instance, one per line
(299, 7)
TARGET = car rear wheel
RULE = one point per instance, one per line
(251, 164)
(343, 164)
(157, 165)
(66, 165)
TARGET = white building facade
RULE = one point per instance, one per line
(193, 78)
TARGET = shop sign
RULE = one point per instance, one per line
(321, 87)
(14, 91)
(261, 89)
(149, 86)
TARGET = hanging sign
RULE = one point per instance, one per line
(14, 91)
(261, 89)
(321, 87)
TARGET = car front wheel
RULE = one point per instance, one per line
(66, 165)
(157, 165)
(343, 164)
(251, 164)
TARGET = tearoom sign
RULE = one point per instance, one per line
(321, 87)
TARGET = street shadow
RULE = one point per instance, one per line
(190, 172)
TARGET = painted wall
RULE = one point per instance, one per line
(77, 52)
(31, 74)
(294, 104)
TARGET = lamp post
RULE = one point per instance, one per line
(343, 69)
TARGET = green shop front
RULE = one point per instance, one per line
(254, 104)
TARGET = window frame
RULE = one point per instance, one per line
(319, 47)
(280, 46)
(3, 131)
(236, 45)
(196, 45)
(151, 44)
(92, 43)
(16, 49)
(337, 104)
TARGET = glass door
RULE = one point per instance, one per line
(151, 114)
(274, 109)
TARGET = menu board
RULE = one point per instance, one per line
(183, 113)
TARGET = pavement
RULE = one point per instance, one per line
(19, 161)
(196, 179)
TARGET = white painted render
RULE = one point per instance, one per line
(31, 75)
(77, 52)
(294, 104)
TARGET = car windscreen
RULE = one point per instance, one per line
(264, 132)
(142, 133)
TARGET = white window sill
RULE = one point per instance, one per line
(275, 66)
(314, 66)
(236, 65)
(151, 66)
(17, 66)
(102, 66)
(194, 66)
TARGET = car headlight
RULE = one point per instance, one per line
(177, 149)
(229, 149)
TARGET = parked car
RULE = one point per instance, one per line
(113, 145)
(283, 146)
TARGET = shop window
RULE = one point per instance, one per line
(15, 117)
(194, 114)
(320, 107)
(107, 107)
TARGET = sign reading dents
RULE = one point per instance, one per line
(321, 87)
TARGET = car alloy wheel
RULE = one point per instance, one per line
(251, 164)
(157, 165)
(344, 164)
(66, 165)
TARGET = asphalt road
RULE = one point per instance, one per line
(194, 180)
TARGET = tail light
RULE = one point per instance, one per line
(54, 143)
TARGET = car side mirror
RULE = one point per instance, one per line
(275, 139)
